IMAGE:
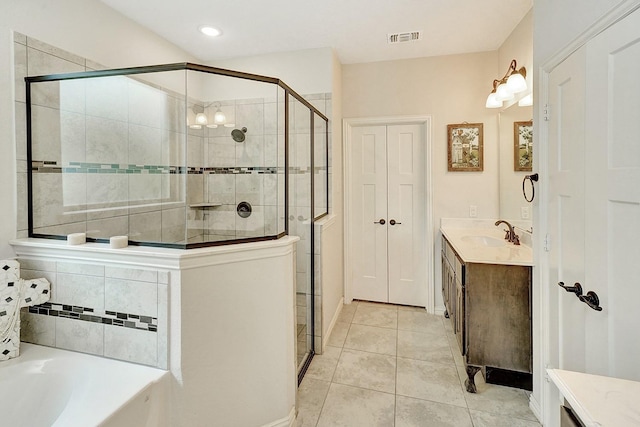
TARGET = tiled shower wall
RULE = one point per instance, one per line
(226, 172)
(111, 311)
(120, 136)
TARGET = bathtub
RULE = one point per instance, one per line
(51, 387)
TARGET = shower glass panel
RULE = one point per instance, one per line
(176, 155)
(105, 155)
(233, 147)
(301, 222)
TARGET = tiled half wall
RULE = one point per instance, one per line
(111, 311)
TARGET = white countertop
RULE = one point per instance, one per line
(599, 401)
(465, 237)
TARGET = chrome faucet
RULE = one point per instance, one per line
(511, 235)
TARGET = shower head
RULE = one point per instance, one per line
(238, 134)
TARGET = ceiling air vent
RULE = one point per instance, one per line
(410, 36)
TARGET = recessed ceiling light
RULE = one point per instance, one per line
(210, 31)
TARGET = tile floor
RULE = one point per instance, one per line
(388, 365)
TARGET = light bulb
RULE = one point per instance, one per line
(503, 93)
(492, 101)
(201, 119)
(516, 83)
(219, 118)
(526, 101)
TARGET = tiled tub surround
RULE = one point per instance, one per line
(108, 310)
(231, 329)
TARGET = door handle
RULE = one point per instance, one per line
(576, 289)
(393, 222)
(381, 222)
(592, 300)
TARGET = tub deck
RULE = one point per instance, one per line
(50, 387)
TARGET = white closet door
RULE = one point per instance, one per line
(387, 185)
(406, 239)
(368, 205)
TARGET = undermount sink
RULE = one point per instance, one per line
(488, 241)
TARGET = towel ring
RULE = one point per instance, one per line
(531, 178)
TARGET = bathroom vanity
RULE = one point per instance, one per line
(486, 287)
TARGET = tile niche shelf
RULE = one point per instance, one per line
(204, 205)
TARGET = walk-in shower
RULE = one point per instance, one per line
(180, 156)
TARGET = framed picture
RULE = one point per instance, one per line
(523, 146)
(465, 147)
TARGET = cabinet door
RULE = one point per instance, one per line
(445, 279)
(460, 313)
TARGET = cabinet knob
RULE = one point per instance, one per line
(393, 222)
(381, 222)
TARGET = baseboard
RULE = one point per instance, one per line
(336, 315)
(534, 405)
(439, 311)
(288, 421)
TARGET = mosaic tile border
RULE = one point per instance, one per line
(87, 314)
(40, 166)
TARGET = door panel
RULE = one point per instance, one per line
(566, 208)
(368, 206)
(613, 197)
(407, 253)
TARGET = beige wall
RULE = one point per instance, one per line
(451, 89)
(332, 236)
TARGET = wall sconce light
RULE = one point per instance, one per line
(219, 118)
(200, 118)
(505, 89)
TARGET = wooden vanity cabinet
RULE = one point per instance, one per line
(490, 309)
(453, 291)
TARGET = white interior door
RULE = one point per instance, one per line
(387, 214)
(594, 203)
(368, 208)
(567, 210)
(613, 198)
(406, 207)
